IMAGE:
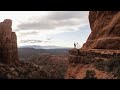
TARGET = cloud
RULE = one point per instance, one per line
(41, 25)
(65, 15)
(26, 33)
(34, 41)
(54, 20)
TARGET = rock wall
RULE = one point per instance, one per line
(105, 33)
(100, 56)
(8, 43)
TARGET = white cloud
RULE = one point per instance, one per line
(54, 20)
(20, 16)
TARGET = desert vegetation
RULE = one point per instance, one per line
(112, 65)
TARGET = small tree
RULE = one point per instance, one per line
(90, 74)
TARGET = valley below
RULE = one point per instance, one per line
(34, 65)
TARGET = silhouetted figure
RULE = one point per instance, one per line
(74, 45)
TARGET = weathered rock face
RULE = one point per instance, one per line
(99, 58)
(105, 33)
(8, 43)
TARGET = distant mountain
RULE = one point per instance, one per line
(43, 47)
(29, 52)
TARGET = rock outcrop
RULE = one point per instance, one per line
(105, 33)
(8, 43)
(99, 57)
(80, 61)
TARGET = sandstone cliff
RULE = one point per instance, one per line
(105, 30)
(8, 43)
(100, 56)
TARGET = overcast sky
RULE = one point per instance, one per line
(44, 28)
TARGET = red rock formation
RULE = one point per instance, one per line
(8, 43)
(102, 46)
(105, 30)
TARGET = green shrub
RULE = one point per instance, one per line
(112, 65)
(90, 74)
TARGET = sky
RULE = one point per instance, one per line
(49, 28)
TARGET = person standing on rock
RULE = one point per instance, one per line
(74, 46)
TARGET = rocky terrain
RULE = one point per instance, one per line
(99, 58)
(42, 66)
(54, 65)
(104, 63)
(23, 71)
